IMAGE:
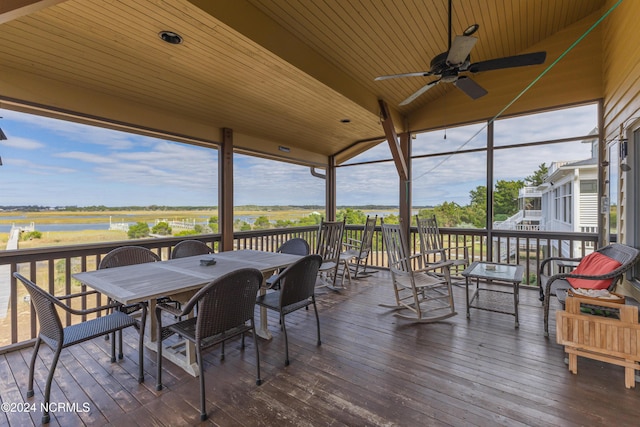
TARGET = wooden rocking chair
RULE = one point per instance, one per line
(357, 252)
(329, 247)
(432, 247)
(423, 293)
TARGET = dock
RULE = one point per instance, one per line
(5, 270)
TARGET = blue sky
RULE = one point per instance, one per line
(56, 163)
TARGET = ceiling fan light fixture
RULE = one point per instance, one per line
(170, 37)
(471, 29)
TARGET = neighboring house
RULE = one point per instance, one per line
(567, 201)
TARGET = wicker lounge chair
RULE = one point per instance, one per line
(57, 337)
(558, 285)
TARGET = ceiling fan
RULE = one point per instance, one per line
(448, 65)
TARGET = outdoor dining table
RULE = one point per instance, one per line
(179, 279)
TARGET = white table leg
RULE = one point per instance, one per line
(182, 354)
(263, 330)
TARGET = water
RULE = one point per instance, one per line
(5, 228)
(42, 227)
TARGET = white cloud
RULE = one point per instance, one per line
(85, 157)
(30, 167)
(114, 168)
(22, 143)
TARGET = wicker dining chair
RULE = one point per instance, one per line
(57, 337)
(297, 289)
(225, 310)
(131, 255)
(295, 246)
(187, 248)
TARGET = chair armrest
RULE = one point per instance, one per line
(350, 245)
(434, 266)
(78, 312)
(550, 259)
(89, 310)
(79, 294)
(610, 275)
(464, 249)
(166, 307)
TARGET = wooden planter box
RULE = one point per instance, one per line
(601, 338)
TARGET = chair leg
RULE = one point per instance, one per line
(143, 322)
(286, 341)
(255, 343)
(120, 354)
(317, 318)
(47, 392)
(222, 352)
(113, 349)
(547, 300)
(203, 410)
(32, 365)
(159, 350)
(346, 270)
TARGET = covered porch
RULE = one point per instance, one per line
(278, 80)
(372, 369)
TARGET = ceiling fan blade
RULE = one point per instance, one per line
(509, 62)
(395, 76)
(471, 88)
(460, 50)
(419, 92)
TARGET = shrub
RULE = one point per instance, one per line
(138, 230)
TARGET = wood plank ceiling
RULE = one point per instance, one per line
(280, 72)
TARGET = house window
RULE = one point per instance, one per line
(588, 186)
(614, 181)
(634, 227)
(567, 203)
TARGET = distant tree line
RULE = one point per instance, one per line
(505, 203)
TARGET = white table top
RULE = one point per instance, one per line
(143, 282)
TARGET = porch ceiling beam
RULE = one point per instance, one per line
(13, 9)
(394, 144)
(249, 21)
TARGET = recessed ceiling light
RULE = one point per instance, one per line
(170, 37)
(284, 149)
(471, 29)
(345, 121)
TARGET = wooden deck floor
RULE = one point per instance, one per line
(373, 369)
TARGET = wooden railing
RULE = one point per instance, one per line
(52, 267)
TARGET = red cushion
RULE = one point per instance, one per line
(594, 264)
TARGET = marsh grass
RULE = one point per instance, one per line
(61, 238)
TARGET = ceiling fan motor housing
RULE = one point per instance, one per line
(439, 63)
